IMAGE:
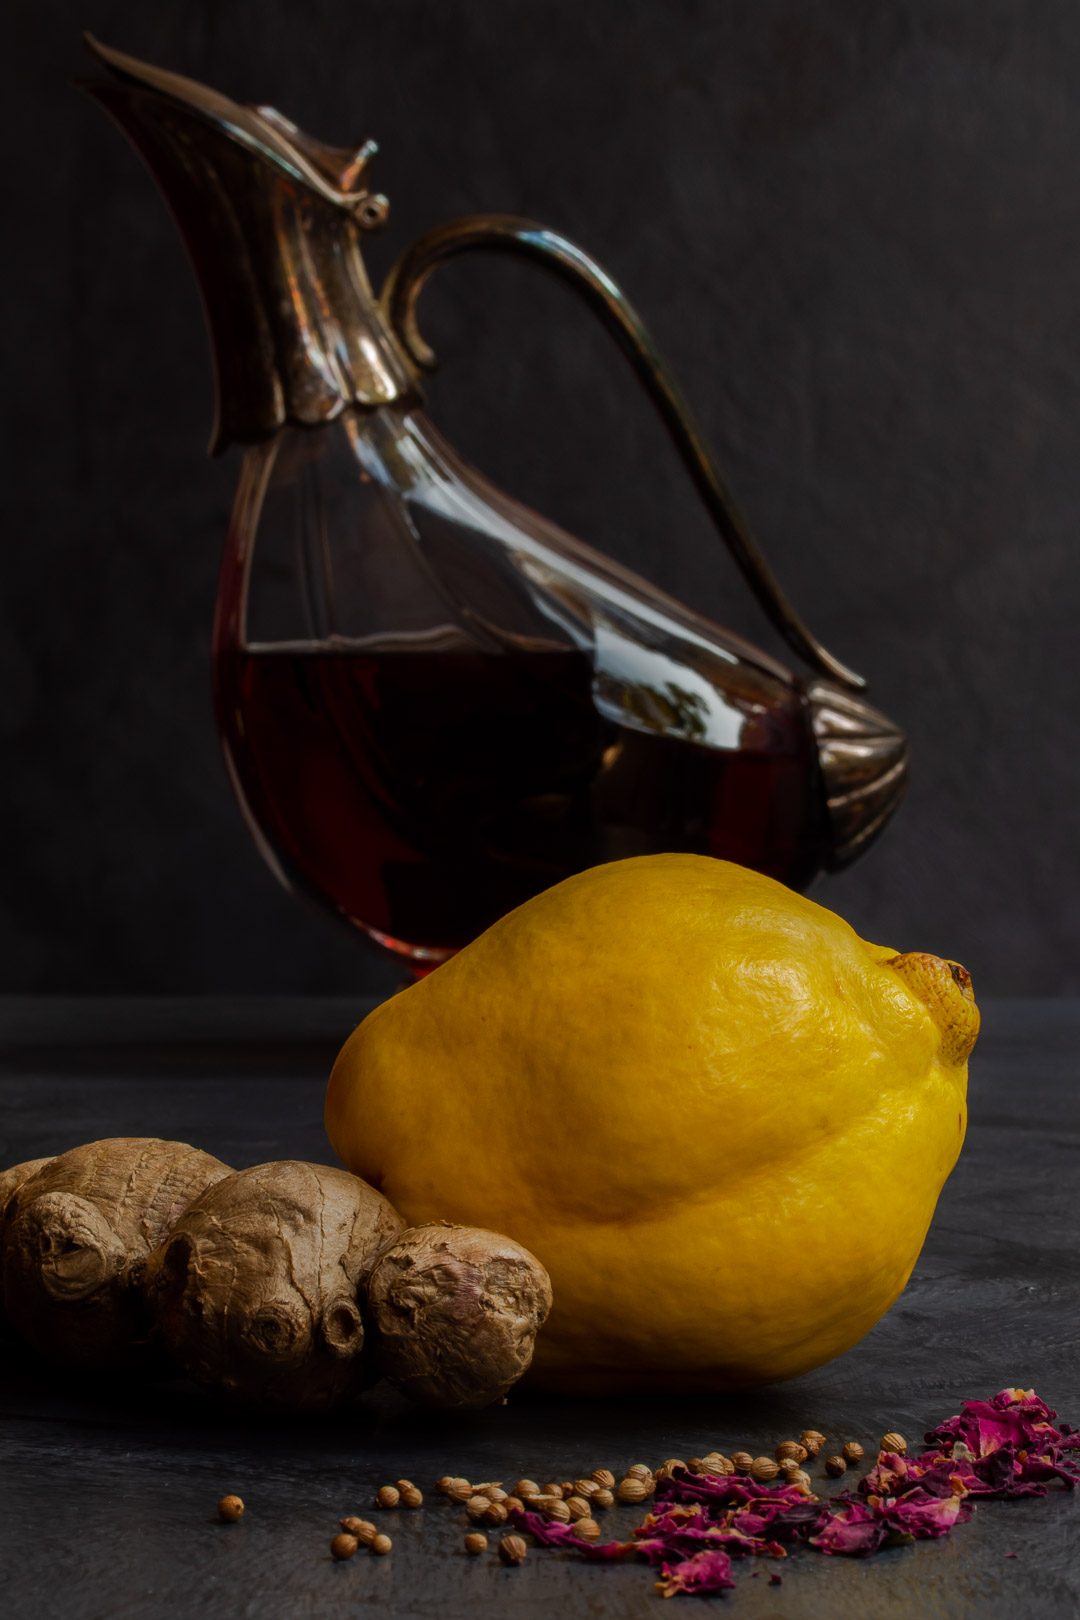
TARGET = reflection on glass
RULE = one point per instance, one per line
(435, 704)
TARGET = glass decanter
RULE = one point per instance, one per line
(433, 702)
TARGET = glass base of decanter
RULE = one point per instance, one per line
(419, 959)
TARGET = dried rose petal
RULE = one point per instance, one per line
(1013, 1417)
(734, 1542)
(729, 1490)
(1046, 1467)
(1026, 1400)
(784, 1521)
(920, 1515)
(890, 1475)
(933, 1471)
(610, 1552)
(550, 1533)
(654, 1549)
(671, 1520)
(851, 1529)
(1007, 1446)
(705, 1572)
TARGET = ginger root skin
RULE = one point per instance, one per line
(75, 1238)
(10, 1181)
(255, 1291)
(456, 1311)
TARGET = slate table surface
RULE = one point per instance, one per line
(107, 1494)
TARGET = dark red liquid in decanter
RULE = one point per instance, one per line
(424, 794)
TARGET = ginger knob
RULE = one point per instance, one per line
(455, 1311)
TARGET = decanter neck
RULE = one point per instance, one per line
(272, 220)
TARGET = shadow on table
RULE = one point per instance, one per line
(536, 1422)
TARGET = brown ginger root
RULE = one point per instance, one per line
(255, 1289)
(75, 1238)
(456, 1311)
(10, 1181)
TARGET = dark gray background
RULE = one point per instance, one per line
(855, 231)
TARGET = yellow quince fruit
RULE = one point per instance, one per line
(719, 1117)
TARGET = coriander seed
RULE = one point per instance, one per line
(458, 1490)
(443, 1485)
(513, 1549)
(230, 1508)
(475, 1543)
(632, 1490)
(835, 1466)
(343, 1546)
(387, 1496)
(526, 1487)
(477, 1506)
(514, 1504)
(640, 1471)
(363, 1529)
(604, 1478)
(716, 1463)
(801, 1480)
(552, 1490)
(577, 1507)
(411, 1497)
(853, 1452)
(495, 1513)
(895, 1443)
(554, 1508)
(792, 1450)
(587, 1529)
(381, 1545)
(743, 1461)
(669, 1469)
(585, 1487)
(604, 1498)
(763, 1469)
(813, 1440)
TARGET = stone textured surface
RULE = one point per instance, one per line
(108, 1495)
(855, 231)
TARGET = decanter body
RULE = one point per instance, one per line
(433, 702)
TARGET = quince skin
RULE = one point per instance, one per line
(719, 1117)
